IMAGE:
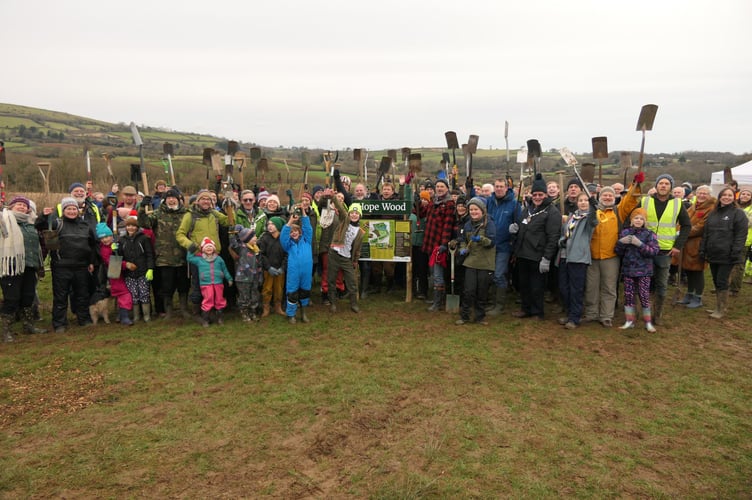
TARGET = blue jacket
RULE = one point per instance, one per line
(503, 212)
(299, 253)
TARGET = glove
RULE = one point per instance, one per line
(442, 248)
(289, 193)
(146, 200)
(149, 275)
(636, 242)
(514, 228)
(230, 283)
(544, 265)
(114, 247)
(230, 202)
(639, 177)
(192, 248)
(626, 239)
(464, 251)
(475, 238)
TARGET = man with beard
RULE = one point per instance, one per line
(201, 221)
(535, 247)
(664, 214)
(87, 209)
(602, 278)
(169, 255)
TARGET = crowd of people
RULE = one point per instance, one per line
(567, 248)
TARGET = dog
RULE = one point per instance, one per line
(100, 308)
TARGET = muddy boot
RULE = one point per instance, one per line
(325, 299)
(136, 312)
(147, 312)
(354, 303)
(28, 322)
(658, 309)
(291, 320)
(167, 308)
(204, 318)
(125, 318)
(6, 320)
(438, 298)
(720, 304)
(278, 309)
(501, 297)
(686, 300)
(266, 310)
(303, 316)
(183, 305)
(695, 301)
(220, 316)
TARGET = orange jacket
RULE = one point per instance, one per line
(606, 233)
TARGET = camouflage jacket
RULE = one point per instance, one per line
(165, 222)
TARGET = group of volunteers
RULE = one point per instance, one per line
(248, 251)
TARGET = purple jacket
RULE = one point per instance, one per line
(637, 261)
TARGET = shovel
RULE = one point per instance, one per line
(600, 152)
(645, 122)
(452, 301)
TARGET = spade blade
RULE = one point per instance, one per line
(451, 139)
(647, 117)
(472, 144)
(600, 148)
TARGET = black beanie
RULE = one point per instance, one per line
(539, 185)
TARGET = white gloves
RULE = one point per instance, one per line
(513, 228)
(544, 265)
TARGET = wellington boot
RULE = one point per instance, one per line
(266, 310)
(657, 316)
(204, 318)
(720, 307)
(438, 298)
(220, 317)
(125, 318)
(627, 325)
(695, 301)
(291, 320)
(136, 312)
(28, 322)
(687, 298)
(354, 304)
(303, 316)
(498, 308)
(6, 320)
(168, 308)
(146, 308)
(278, 310)
(183, 304)
(649, 327)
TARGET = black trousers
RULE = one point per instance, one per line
(172, 279)
(19, 291)
(73, 282)
(531, 285)
(475, 292)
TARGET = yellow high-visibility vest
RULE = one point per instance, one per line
(665, 228)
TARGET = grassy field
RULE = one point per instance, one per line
(393, 403)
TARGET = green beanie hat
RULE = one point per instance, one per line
(278, 222)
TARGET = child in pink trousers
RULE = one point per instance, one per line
(212, 272)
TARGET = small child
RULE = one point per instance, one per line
(637, 246)
(212, 272)
(118, 290)
(296, 239)
(344, 250)
(138, 257)
(249, 275)
(273, 261)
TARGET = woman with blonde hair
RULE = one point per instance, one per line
(691, 263)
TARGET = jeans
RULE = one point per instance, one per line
(660, 273)
(501, 269)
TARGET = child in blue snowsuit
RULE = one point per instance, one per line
(296, 239)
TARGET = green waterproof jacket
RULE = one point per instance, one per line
(197, 225)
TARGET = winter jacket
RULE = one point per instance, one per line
(610, 221)
(690, 254)
(341, 224)
(78, 244)
(210, 272)
(538, 234)
(32, 248)
(725, 235)
(481, 254)
(138, 250)
(299, 255)
(264, 217)
(164, 222)
(504, 211)
(439, 223)
(576, 247)
(248, 263)
(271, 252)
(197, 225)
(637, 261)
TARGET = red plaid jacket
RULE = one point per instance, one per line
(439, 224)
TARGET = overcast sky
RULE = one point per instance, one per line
(393, 73)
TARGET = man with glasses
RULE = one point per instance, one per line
(247, 211)
(535, 247)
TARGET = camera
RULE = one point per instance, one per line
(298, 212)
